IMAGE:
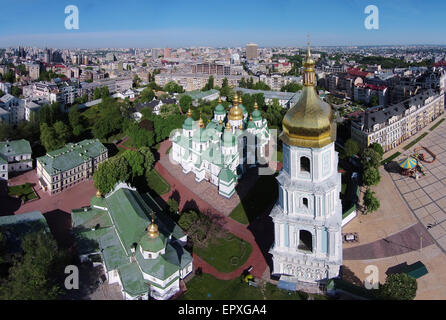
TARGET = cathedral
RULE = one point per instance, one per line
(221, 151)
(308, 214)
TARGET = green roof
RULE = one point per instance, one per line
(256, 115)
(89, 218)
(132, 279)
(200, 135)
(226, 175)
(71, 156)
(15, 148)
(126, 209)
(416, 270)
(196, 95)
(15, 227)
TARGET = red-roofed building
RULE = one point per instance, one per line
(358, 73)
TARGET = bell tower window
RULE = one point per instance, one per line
(304, 164)
(305, 241)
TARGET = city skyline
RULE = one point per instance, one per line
(179, 24)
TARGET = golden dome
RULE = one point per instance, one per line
(219, 99)
(189, 113)
(152, 230)
(220, 122)
(235, 113)
(228, 126)
(309, 123)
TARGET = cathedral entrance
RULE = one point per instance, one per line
(305, 241)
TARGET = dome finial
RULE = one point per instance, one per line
(201, 123)
(256, 105)
(189, 113)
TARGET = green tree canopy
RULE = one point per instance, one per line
(185, 102)
(370, 201)
(291, 87)
(351, 148)
(147, 95)
(377, 148)
(370, 158)
(110, 172)
(136, 162)
(399, 286)
(371, 176)
(37, 273)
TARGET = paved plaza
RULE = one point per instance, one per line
(426, 196)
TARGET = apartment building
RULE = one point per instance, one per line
(396, 123)
(211, 69)
(363, 92)
(192, 82)
(63, 168)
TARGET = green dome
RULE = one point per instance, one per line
(256, 115)
(153, 245)
(228, 139)
(251, 125)
(219, 109)
(188, 124)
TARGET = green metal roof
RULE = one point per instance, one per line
(71, 156)
(256, 115)
(15, 148)
(196, 95)
(226, 175)
(416, 270)
(132, 279)
(188, 124)
(219, 109)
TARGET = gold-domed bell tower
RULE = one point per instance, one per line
(309, 123)
(235, 115)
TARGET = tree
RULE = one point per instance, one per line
(260, 85)
(140, 137)
(225, 89)
(38, 272)
(173, 87)
(209, 85)
(370, 201)
(370, 158)
(351, 148)
(9, 76)
(147, 95)
(136, 162)
(374, 100)
(399, 286)
(291, 87)
(371, 176)
(74, 116)
(110, 172)
(16, 91)
(173, 205)
(187, 219)
(49, 139)
(377, 148)
(185, 102)
(63, 132)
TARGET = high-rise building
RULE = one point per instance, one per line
(251, 51)
(156, 52)
(308, 214)
(167, 53)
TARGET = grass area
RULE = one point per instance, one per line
(260, 197)
(436, 125)
(391, 158)
(118, 136)
(157, 183)
(410, 145)
(207, 287)
(23, 191)
(225, 254)
(121, 151)
(128, 143)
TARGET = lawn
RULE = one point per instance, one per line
(23, 191)
(259, 198)
(389, 159)
(225, 254)
(436, 125)
(410, 145)
(157, 183)
(207, 287)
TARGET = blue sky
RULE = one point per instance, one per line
(175, 23)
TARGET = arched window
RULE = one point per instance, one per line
(305, 202)
(304, 164)
(305, 241)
